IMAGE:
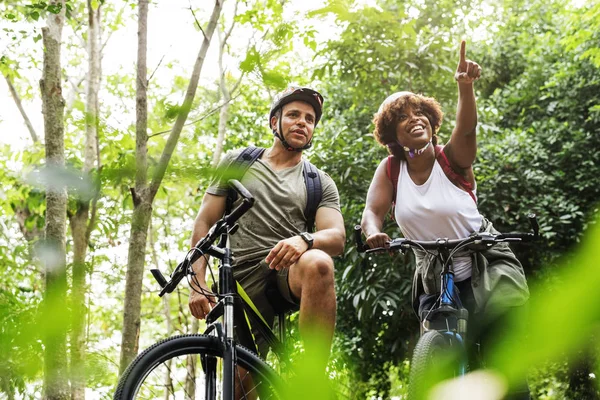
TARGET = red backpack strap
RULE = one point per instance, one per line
(393, 170)
(451, 173)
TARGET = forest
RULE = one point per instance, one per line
(115, 113)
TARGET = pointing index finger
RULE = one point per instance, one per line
(463, 46)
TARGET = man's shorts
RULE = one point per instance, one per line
(255, 278)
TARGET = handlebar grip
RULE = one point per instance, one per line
(239, 211)
(176, 277)
(159, 277)
(361, 247)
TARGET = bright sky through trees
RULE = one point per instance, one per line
(172, 39)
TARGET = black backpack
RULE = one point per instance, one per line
(312, 180)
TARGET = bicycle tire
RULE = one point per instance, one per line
(151, 374)
(431, 363)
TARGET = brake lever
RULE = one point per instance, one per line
(534, 225)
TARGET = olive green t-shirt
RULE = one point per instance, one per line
(278, 211)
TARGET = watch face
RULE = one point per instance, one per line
(307, 238)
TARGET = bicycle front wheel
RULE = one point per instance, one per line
(434, 360)
(189, 367)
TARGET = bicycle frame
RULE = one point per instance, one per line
(227, 292)
(449, 318)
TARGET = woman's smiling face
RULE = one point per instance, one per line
(413, 129)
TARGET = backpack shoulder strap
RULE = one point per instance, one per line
(241, 164)
(314, 194)
(440, 155)
(246, 158)
(393, 170)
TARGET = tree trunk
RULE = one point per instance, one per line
(223, 117)
(142, 208)
(56, 386)
(224, 113)
(79, 222)
(143, 195)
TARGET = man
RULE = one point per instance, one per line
(272, 236)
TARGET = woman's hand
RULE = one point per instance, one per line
(467, 71)
(378, 240)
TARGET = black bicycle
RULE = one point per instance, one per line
(211, 365)
(440, 352)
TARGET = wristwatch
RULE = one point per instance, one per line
(308, 238)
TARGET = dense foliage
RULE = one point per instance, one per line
(538, 137)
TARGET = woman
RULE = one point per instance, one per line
(435, 197)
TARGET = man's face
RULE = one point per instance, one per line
(297, 122)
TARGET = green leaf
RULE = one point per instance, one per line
(251, 61)
(55, 8)
(274, 79)
(347, 271)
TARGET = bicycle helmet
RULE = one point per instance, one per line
(393, 97)
(295, 93)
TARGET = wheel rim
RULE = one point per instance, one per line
(182, 376)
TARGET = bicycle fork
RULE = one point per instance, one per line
(224, 332)
(227, 284)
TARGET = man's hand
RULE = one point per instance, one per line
(286, 252)
(200, 304)
(467, 71)
(378, 240)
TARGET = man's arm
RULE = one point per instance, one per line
(212, 208)
(329, 237)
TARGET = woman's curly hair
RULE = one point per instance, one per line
(386, 121)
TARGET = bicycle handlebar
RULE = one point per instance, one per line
(205, 245)
(478, 240)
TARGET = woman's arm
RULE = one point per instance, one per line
(462, 147)
(379, 200)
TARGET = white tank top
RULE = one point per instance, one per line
(436, 209)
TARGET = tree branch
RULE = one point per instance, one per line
(228, 33)
(111, 31)
(197, 22)
(161, 168)
(204, 116)
(17, 100)
(156, 69)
